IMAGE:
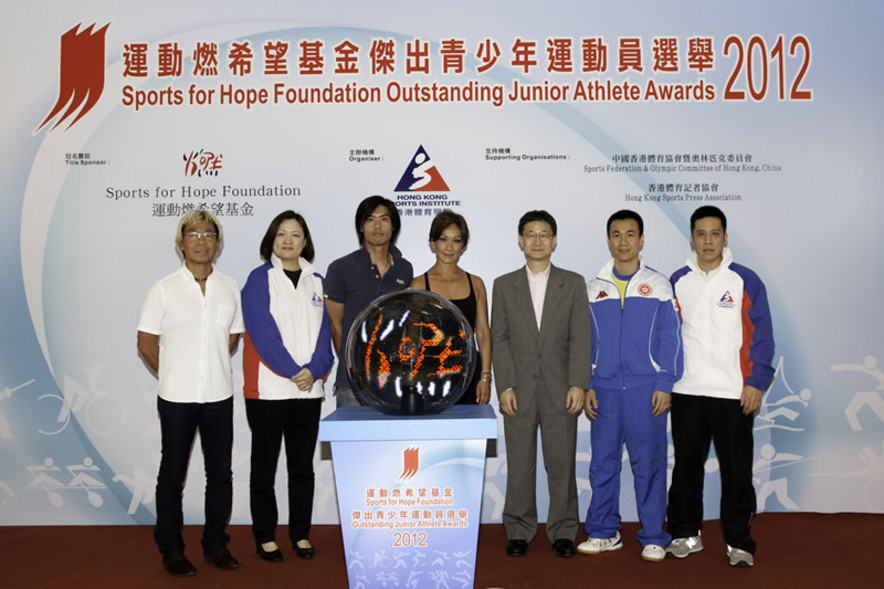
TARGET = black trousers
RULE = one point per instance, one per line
(179, 423)
(297, 422)
(695, 421)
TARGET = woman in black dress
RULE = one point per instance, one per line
(448, 240)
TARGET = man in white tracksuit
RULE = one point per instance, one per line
(728, 352)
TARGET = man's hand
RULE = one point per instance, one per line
(660, 403)
(591, 405)
(335, 322)
(750, 399)
(508, 403)
(575, 400)
(303, 380)
(149, 347)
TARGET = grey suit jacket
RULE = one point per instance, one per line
(560, 351)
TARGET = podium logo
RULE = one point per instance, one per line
(81, 74)
(421, 175)
(410, 463)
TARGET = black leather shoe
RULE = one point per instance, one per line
(516, 547)
(177, 565)
(221, 558)
(305, 553)
(270, 555)
(564, 548)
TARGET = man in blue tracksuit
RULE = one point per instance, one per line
(636, 357)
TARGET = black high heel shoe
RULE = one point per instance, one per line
(270, 555)
(305, 553)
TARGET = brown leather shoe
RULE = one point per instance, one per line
(177, 565)
(221, 558)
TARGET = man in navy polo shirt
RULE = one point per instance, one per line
(358, 278)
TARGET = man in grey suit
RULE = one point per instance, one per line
(540, 327)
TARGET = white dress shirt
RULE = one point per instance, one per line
(194, 335)
(537, 284)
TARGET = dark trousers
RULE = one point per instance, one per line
(297, 422)
(558, 438)
(695, 421)
(179, 423)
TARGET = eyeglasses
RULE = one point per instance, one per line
(207, 235)
(535, 236)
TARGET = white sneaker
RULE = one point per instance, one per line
(653, 553)
(739, 557)
(596, 545)
(682, 547)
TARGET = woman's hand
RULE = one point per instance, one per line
(303, 380)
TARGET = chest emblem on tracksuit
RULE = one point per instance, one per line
(602, 295)
(317, 299)
(644, 289)
(726, 301)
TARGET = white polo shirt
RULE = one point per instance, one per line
(194, 335)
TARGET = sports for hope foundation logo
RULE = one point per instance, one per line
(410, 463)
(81, 74)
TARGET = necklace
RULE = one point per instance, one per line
(200, 279)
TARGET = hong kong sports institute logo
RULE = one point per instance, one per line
(81, 79)
(421, 175)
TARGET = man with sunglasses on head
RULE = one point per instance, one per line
(189, 327)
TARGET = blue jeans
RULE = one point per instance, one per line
(179, 423)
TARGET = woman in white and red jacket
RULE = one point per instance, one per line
(286, 357)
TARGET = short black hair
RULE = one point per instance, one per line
(709, 211)
(267, 243)
(532, 216)
(446, 219)
(625, 215)
(367, 207)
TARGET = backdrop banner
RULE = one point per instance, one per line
(117, 119)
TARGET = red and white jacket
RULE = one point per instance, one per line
(726, 329)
